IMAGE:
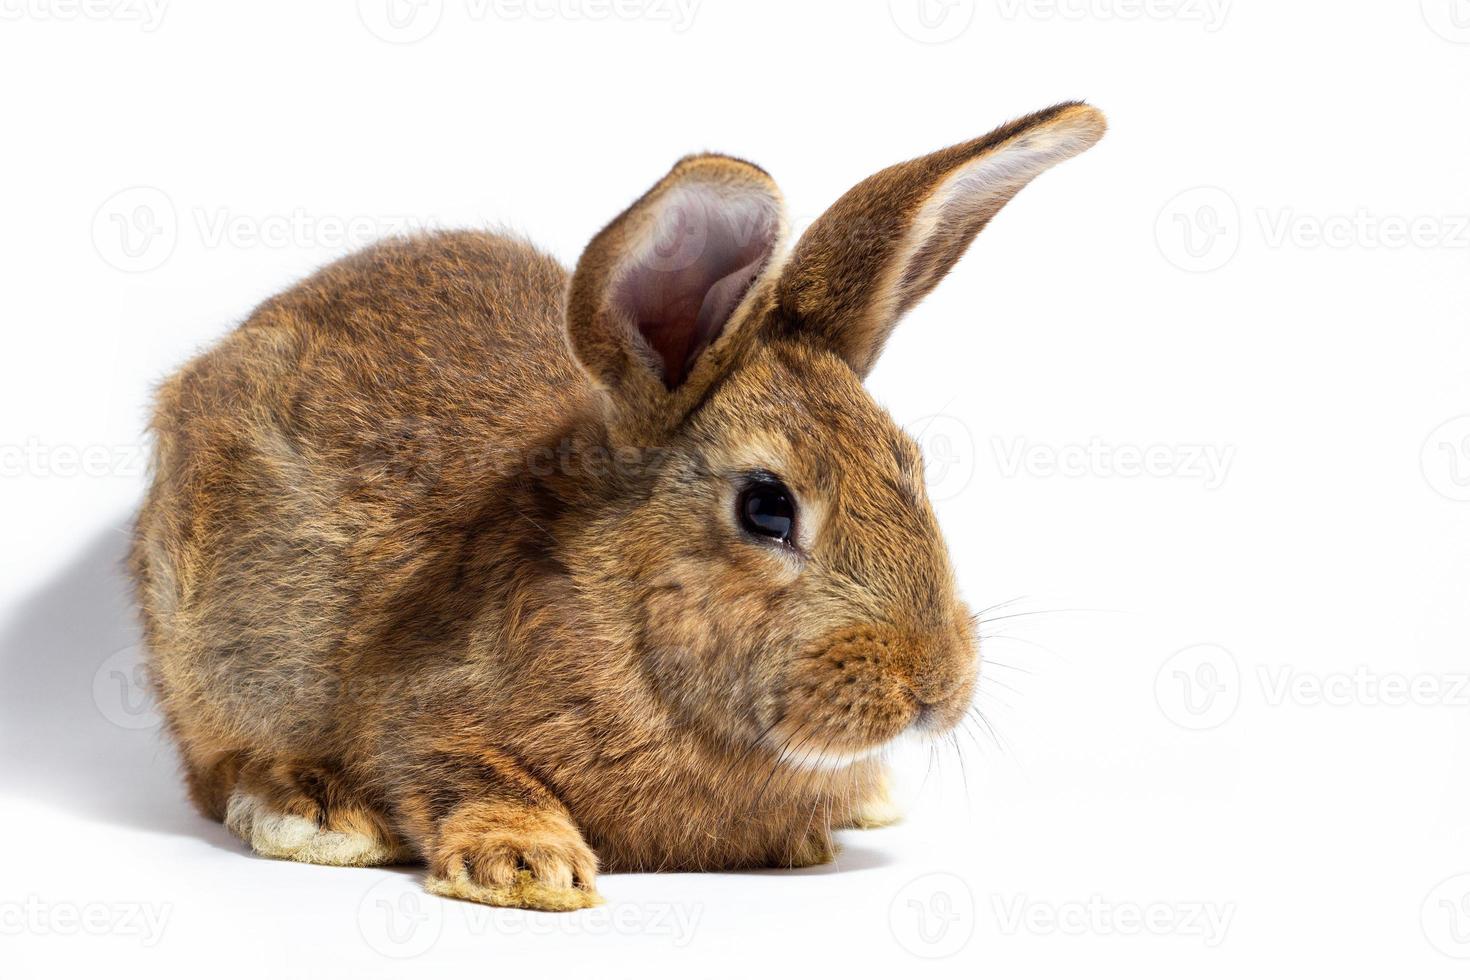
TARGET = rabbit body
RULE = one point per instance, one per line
(342, 534)
(453, 555)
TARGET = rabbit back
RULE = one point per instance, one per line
(322, 459)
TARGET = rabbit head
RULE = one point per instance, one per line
(776, 562)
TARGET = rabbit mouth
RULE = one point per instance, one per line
(814, 747)
(859, 689)
(824, 760)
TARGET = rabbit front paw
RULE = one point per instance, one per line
(514, 856)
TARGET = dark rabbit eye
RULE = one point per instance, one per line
(767, 509)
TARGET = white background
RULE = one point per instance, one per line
(1235, 733)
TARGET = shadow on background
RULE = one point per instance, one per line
(78, 727)
(850, 857)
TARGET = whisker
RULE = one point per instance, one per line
(997, 699)
(988, 663)
(980, 613)
(1044, 612)
(997, 682)
(960, 757)
(1008, 638)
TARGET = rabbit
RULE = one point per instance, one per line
(452, 556)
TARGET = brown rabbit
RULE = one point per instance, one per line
(452, 556)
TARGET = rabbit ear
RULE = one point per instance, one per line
(888, 241)
(658, 286)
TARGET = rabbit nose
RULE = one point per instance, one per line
(936, 691)
(943, 671)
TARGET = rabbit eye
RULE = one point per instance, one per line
(766, 508)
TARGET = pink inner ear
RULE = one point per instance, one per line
(706, 245)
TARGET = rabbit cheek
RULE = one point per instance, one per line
(844, 699)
